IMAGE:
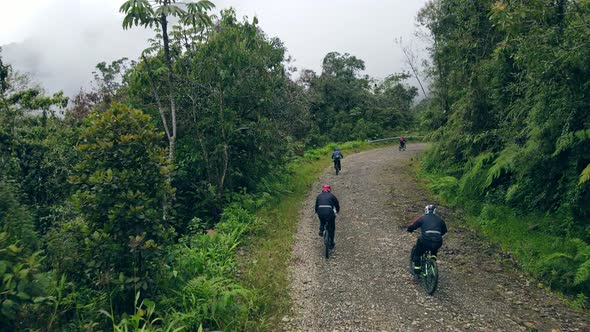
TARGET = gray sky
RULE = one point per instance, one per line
(60, 41)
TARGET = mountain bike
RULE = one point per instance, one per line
(428, 272)
(337, 166)
(402, 146)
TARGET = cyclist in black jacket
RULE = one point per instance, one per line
(326, 207)
(336, 157)
(433, 228)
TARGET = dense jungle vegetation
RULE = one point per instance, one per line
(123, 208)
(510, 118)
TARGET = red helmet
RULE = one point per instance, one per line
(326, 188)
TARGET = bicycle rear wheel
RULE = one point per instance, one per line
(430, 274)
(327, 243)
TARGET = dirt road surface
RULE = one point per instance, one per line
(365, 284)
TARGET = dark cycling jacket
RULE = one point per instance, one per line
(337, 155)
(325, 204)
(432, 227)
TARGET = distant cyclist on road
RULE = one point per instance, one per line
(433, 228)
(326, 207)
(402, 142)
(336, 156)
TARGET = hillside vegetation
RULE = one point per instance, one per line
(509, 116)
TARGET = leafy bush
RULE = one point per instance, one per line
(122, 194)
(568, 268)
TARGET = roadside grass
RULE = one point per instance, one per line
(267, 252)
(556, 261)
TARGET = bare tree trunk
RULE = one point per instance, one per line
(171, 138)
(221, 183)
(410, 58)
(161, 109)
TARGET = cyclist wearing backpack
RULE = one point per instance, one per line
(432, 230)
(336, 156)
(326, 207)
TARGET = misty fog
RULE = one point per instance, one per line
(62, 42)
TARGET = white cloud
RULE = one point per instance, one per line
(62, 40)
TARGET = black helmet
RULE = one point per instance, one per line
(430, 209)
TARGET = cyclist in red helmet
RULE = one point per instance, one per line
(432, 230)
(402, 142)
(326, 207)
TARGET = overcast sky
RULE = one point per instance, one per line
(60, 41)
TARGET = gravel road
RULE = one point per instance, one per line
(365, 284)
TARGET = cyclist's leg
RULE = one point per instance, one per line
(416, 253)
(322, 224)
(332, 229)
(434, 246)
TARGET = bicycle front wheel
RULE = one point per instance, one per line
(430, 274)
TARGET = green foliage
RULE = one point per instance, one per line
(20, 280)
(473, 181)
(509, 116)
(585, 175)
(143, 320)
(200, 288)
(234, 96)
(446, 187)
(34, 155)
(503, 163)
(537, 241)
(568, 268)
(570, 139)
(122, 193)
(215, 303)
(514, 86)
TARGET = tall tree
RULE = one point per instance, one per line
(157, 12)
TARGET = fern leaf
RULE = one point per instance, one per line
(585, 175)
(471, 181)
(504, 163)
(570, 139)
(582, 273)
(582, 249)
(443, 183)
(557, 255)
